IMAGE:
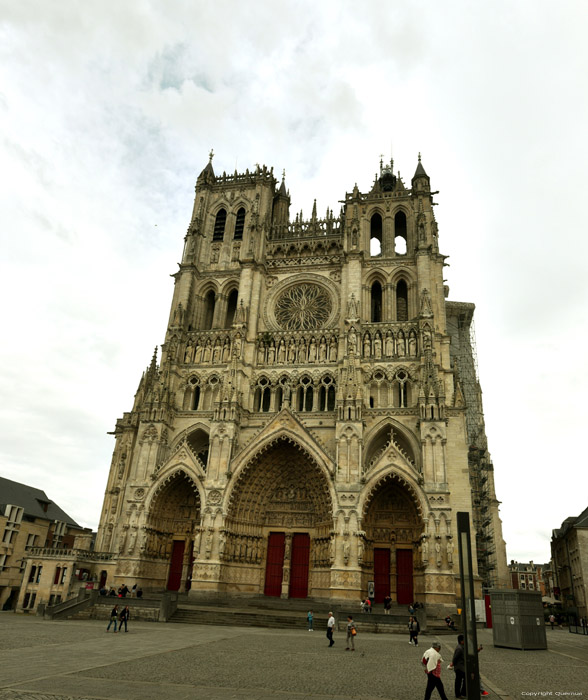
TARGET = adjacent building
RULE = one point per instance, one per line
(30, 522)
(527, 576)
(569, 555)
(315, 421)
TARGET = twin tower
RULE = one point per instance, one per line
(315, 422)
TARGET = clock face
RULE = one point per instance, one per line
(304, 306)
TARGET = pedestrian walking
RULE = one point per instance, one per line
(330, 629)
(124, 617)
(432, 661)
(552, 620)
(351, 633)
(113, 618)
(458, 665)
(310, 619)
(387, 604)
(413, 629)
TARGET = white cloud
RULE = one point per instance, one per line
(108, 113)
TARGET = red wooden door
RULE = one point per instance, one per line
(404, 591)
(176, 565)
(275, 564)
(381, 574)
(299, 565)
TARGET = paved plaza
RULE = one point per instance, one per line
(77, 659)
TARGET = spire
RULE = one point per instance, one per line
(420, 171)
(282, 191)
(208, 169)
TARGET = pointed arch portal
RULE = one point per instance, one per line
(279, 520)
(393, 527)
(174, 515)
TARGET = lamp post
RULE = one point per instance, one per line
(468, 607)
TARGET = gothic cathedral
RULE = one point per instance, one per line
(315, 421)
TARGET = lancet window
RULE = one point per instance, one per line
(400, 234)
(219, 225)
(231, 308)
(239, 225)
(209, 305)
(376, 235)
(376, 303)
(402, 301)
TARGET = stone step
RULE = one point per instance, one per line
(283, 619)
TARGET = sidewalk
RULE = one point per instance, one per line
(78, 659)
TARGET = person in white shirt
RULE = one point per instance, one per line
(432, 661)
(330, 628)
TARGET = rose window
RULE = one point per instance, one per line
(303, 307)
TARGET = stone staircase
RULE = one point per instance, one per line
(286, 613)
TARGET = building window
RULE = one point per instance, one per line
(305, 395)
(32, 573)
(209, 304)
(39, 570)
(231, 308)
(402, 301)
(3, 558)
(8, 535)
(31, 540)
(376, 235)
(327, 394)
(240, 224)
(262, 397)
(57, 576)
(219, 225)
(400, 235)
(63, 574)
(376, 315)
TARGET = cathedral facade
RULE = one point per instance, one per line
(314, 423)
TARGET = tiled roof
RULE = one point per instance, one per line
(34, 501)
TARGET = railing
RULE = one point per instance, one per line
(313, 228)
(79, 554)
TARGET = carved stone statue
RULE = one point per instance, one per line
(425, 550)
(450, 547)
(346, 551)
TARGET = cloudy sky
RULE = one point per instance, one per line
(108, 111)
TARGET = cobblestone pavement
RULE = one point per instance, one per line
(42, 660)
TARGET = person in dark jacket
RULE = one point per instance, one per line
(113, 618)
(458, 665)
(413, 629)
(124, 617)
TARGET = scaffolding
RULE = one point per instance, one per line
(465, 363)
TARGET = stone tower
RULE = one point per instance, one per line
(306, 431)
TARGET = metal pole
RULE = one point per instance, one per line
(468, 607)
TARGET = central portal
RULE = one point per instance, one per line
(278, 525)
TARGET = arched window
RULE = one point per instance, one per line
(402, 391)
(209, 304)
(402, 301)
(376, 302)
(209, 394)
(240, 225)
(305, 395)
(219, 225)
(263, 395)
(400, 236)
(327, 394)
(231, 308)
(376, 235)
